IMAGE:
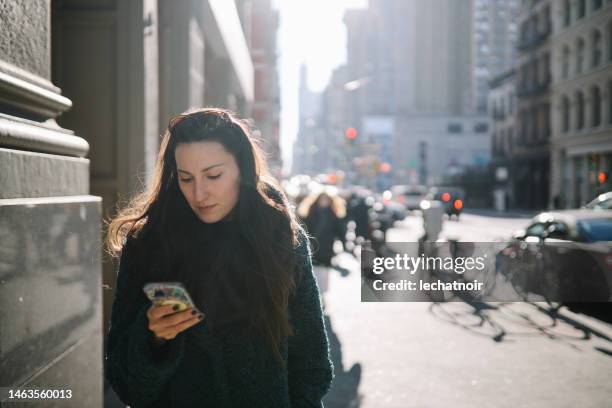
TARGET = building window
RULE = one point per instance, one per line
(523, 77)
(565, 114)
(455, 128)
(534, 74)
(524, 127)
(545, 120)
(508, 141)
(579, 110)
(609, 41)
(579, 55)
(596, 4)
(523, 35)
(581, 8)
(565, 62)
(596, 98)
(597, 48)
(566, 13)
(482, 127)
(546, 68)
(610, 102)
(534, 132)
(547, 20)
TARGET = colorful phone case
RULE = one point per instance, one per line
(169, 293)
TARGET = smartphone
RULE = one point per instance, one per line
(169, 293)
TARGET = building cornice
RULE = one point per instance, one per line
(45, 138)
(31, 98)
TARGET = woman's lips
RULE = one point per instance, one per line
(206, 207)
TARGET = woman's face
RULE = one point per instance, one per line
(209, 178)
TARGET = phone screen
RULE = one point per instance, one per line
(169, 293)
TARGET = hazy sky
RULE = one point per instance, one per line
(311, 32)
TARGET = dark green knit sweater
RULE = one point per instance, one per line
(202, 369)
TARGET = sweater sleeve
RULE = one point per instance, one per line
(137, 369)
(310, 369)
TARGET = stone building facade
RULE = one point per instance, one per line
(582, 101)
(260, 22)
(494, 51)
(531, 154)
(502, 119)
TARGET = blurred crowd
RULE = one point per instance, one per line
(340, 219)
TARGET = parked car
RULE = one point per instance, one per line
(451, 197)
(410, 196)
(602, 202)
(565, 256)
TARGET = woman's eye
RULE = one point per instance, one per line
(215, 176)
(185, 180)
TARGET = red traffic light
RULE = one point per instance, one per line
(445, 197)
(602, 177)
(458, 204)
(385, 167)
(350, 133)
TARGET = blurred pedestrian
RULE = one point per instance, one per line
(358, 211)
(214, 221)
(323, 214)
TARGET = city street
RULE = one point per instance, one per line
(460, 355)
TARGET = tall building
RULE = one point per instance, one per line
(409, 89)
(334, 121)
(419, 53)
(531, 153)
(582, 101)
(308, 148)
(502, 119)
(260, 22)
(494, 35)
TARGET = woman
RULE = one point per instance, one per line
(213, 221)
(323, 215)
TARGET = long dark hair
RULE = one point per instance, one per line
(259, 249)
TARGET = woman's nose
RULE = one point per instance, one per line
(201, 192)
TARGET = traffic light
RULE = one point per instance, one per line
(384, 167)
(602, 177)
(350, 133)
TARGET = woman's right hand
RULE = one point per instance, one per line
(166, 323)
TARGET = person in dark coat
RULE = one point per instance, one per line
(358, 211)
(323, 214)
(215, 222)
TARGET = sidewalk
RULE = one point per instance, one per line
(527, 214)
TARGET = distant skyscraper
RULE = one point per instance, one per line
(409, 64)
(494, 48)
(412, 56)
(306, 150)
